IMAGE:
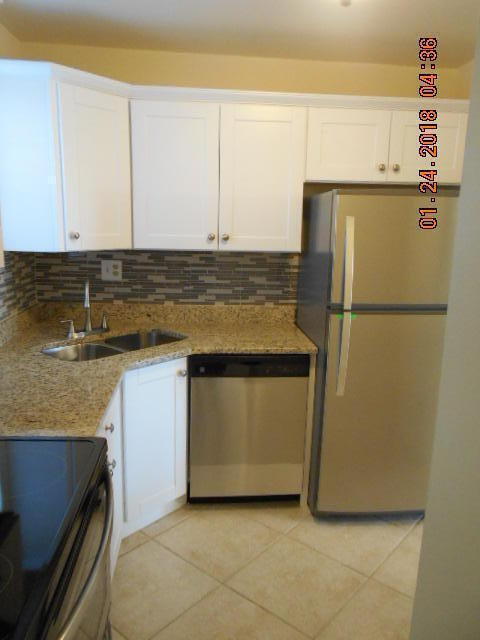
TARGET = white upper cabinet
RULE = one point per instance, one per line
(95, 150)
(347, 144)
(371, 145)
(262, 165)
(64, 161)
(405, 162)
(175, 174)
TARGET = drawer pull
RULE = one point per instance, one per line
(110, 427)
(111, 466)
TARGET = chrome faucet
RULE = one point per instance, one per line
(86, 306)
(87, 330)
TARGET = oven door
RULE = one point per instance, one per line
(85, 606)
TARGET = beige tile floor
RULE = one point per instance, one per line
(266, 572)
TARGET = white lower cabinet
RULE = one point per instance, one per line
(111, 429)
(155, 442)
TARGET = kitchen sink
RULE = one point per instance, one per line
(112, 346)
(81, 352)
(142, 340)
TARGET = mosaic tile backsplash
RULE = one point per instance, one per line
(171, 277)
(17, 284)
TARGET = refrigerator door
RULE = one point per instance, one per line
(382, 376)
(395, 262)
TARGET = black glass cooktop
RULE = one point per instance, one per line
(43, 483)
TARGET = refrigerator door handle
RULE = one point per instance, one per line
(348, 264)
(343, 355)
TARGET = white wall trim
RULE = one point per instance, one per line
(170, 93)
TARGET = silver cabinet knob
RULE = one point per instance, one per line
(382, 167)
(225, 237)
(74, 235)
(182, 373)
(110, 427)
(396, 167)
(211, 237)
(111, 466)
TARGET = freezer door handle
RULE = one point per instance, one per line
(349, 263)
(343, 354)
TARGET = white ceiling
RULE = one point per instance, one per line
(382, 31)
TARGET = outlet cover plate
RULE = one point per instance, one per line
(112, 270)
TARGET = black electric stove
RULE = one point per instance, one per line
(47, 489)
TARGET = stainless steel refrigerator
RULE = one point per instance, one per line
(372, 295)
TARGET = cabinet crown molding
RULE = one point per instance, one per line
(88, 80)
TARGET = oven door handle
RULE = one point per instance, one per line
(77, 610)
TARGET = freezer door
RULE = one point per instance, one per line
(394, 262)
(379, 412)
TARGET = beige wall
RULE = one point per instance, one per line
(465, 75)
(237, 72)
(9, 46)
(447, 603)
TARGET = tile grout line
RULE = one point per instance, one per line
(177, 555)
(326, 555)
(331, 558)
(393, 551)
(148, 536)
(219, 586)
(337, 613)
(285, 535)
(365, 583)
(387, 586)
(261, 606)
(280, 535)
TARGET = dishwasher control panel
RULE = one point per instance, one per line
(250, 366)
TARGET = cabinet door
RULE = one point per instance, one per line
(405, 161)
(95, 145)
(175, 175)
(155, 409)
(347, 145)
(111, 429)
(262, 160)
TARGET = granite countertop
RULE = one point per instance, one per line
(40, 395)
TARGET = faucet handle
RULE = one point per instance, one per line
(71, 328)
(104, 325)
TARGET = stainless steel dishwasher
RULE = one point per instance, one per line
(247, 425)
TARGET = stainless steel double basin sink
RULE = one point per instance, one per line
(111, 346)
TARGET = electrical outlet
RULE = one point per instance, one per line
(112, 270)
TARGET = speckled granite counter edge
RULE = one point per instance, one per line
(40, 395)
